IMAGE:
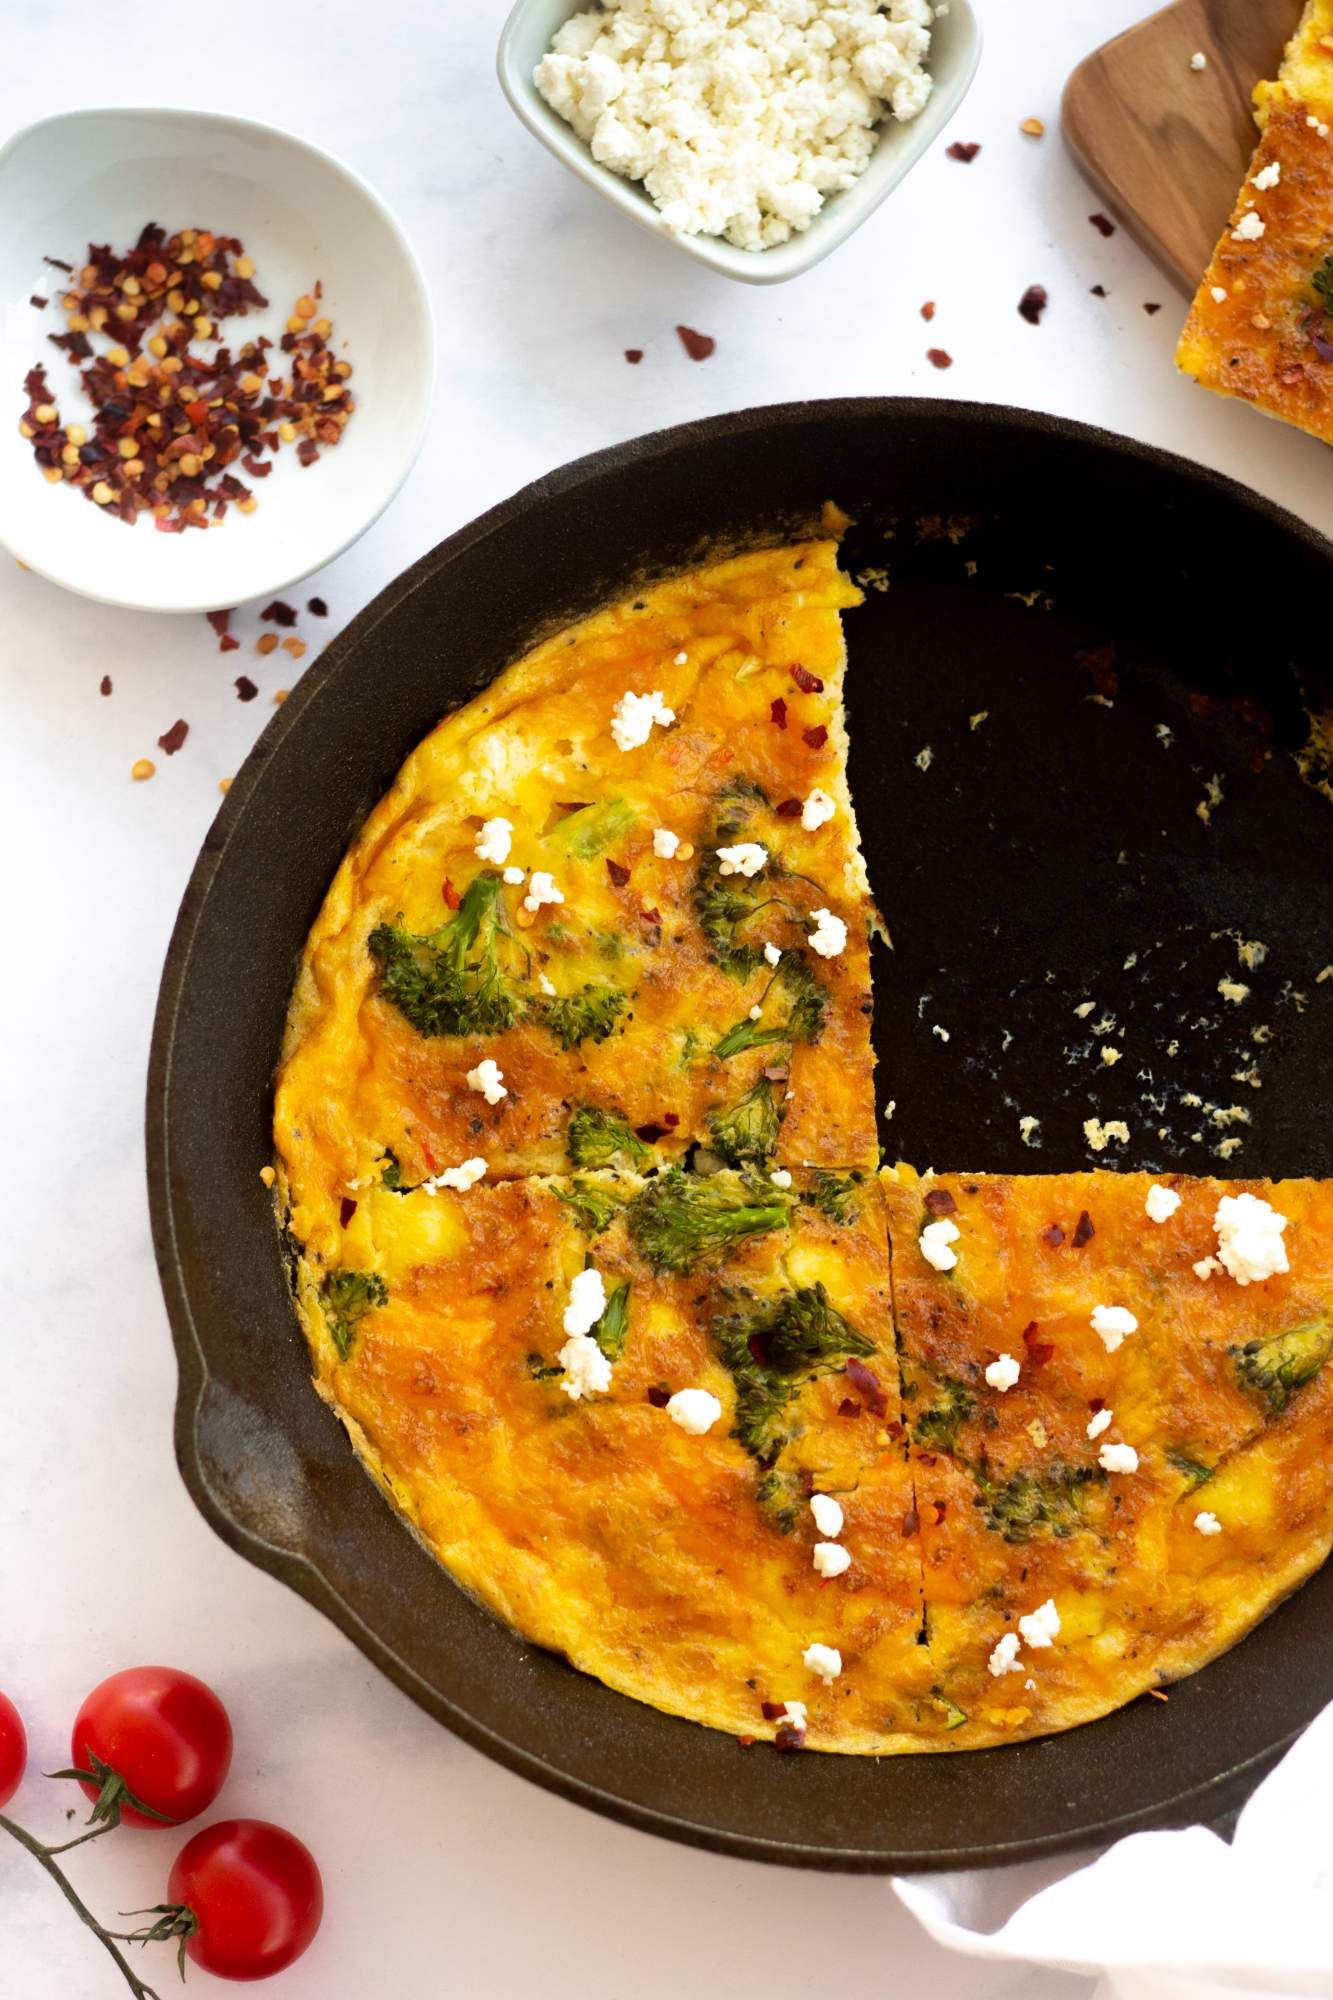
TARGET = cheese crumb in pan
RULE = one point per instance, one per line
(1161, 1203)
(818, 808)
(1004, 1658)
(544, 986)
(746, 858)
(494, 841)
(587, 1370)
(1042, 1626)
(1207, 1267)
(541, 889)
(1100, 1421)
(829, 936)
(1267, 177)
(1113, 1323)
(587, 1302)
(633, 717)
(828, 1514)
(1249, 1238)
(1249, 229)
(1003, 1374)
(780, 1177)
(513, 876)
(460, 1179)
(825, 1661)
(1207, 1523)
(488, 1078)
(1118, 1458)
(831, 1558)
(935, 1240)
(771, 954)
(695, 1410)
(665, 843)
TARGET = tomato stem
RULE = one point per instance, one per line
(45, 1858)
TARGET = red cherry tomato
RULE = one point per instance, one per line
(13, 1749)
(254, 1893)
(163, 1734)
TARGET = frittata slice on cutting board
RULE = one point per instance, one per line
(655, 930)
(1261, 326)
(1104, 1423)
(633, 1487)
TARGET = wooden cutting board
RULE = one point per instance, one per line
(1164, 145)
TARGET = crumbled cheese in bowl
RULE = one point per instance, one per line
(740, 117)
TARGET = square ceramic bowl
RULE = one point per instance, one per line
(98, 176)
(955, 53)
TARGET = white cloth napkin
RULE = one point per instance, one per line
(1170, 1916)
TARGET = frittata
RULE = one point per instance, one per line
(576, 1145)
(1261, 326)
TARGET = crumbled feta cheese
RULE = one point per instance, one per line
(828, 1514)
(695, 1410)
(1113, 1323)
(1207, 1267)
(1118, 1458)
(739, 120)
(1267, 177)
(1100, 1422)
(587, 1370)
(1040, 1627)
(1028, 1128)
(924, 757)
(1004, 1658)
(460, 1179)
(797, 1714)
(1084, 1008)
(1098, 1135)
(665, 843)
(494, 841)
(1218, 294)
(818, 808)
(756, 1012)
(831, 1558)
(825, 1661)
(1249, 1238)
(682, 660)
(771, 954)
(780, 1177)
(1160, 1203)
(746, 858)
(513, 876)
(544, 986)
(1249, 229)
(587, 1302)
(1003, 1374)
(488, 1079)
(934, 1242)
(1198, 60)
(633, 717)
(943, 1033)
(829, 936)
(1110, 1055)
(541, 889)
(1234, 990)
(1207, 1523)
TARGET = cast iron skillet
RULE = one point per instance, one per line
(1051, 853)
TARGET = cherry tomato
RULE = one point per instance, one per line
(254, 1894)
(13, 1749)
(163, 1734)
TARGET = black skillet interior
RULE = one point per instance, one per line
(1109, 655)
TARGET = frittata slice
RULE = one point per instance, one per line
(1103, 1421)
(577, 934)
(1261, 326)
(583, 1484)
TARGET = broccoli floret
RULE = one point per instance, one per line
(1322, 282)
(1274, 1369)
(391, 1171)
(838, 1196)
(612, 1327)
(586, 1016)
(726, 904)
(595, 1207)
(936, 1429)
(597, 1137)
(681, 1219)
(460, 979)
(590, 830)
(542, 1370)
(781, 1497)
(347, 1296)
(772, 1348)
(802, 1021)
(1192, 1469)
(1032, 1504)
(747, 1133)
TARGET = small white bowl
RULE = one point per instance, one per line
(98, 176)
(954, 54)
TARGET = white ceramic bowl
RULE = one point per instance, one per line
(303, 216)
(955, 53)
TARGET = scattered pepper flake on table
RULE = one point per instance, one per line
(939, 357)
(279, 613)
(317, 608)
(172, 740)
(141, 768)
(1033, 304)
(246, 689)
(1034, 128)
(928, 309)
(1154, 306)
(296, 647)
(104, 686)
(634, 355)
(697, 345)
(1102, 223)
(965, 150)
(267, 642)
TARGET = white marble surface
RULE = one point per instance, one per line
(445, 1875)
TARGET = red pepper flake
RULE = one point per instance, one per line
(671, 1119)
(1102, 224)
(1053, 1234)
(1203, 704)
(650, 1134)
(847, 1408)
(219, 620)
(789, 809)
(939, 357)
(1039, 1352)
(928, 309)
(279, 613)
(104, 685)
(1083, 1230)
(777, 711)
(1153, 307)
(1252, 713)
(807, 682)
(34, 300)
(229, 643)
(307, 451)
(452, 899)
(659, 1395)
(1098, 291)
(653, 917)
(941, 1509)
(634, 355)
(59, 264)
(927, 1458)
(815, 738)
(174, 738)
(965, 150)
(1096, 1403)
(618, 872)
(939, 1201)
(788, 1737)
(245, 687)
(773, 1710)
(317, 608)
(1100, 663)
(895, 1429)
(1033, 304)
(697, 345)
(911, 1524)
(346, 1210)
(867, 1382)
